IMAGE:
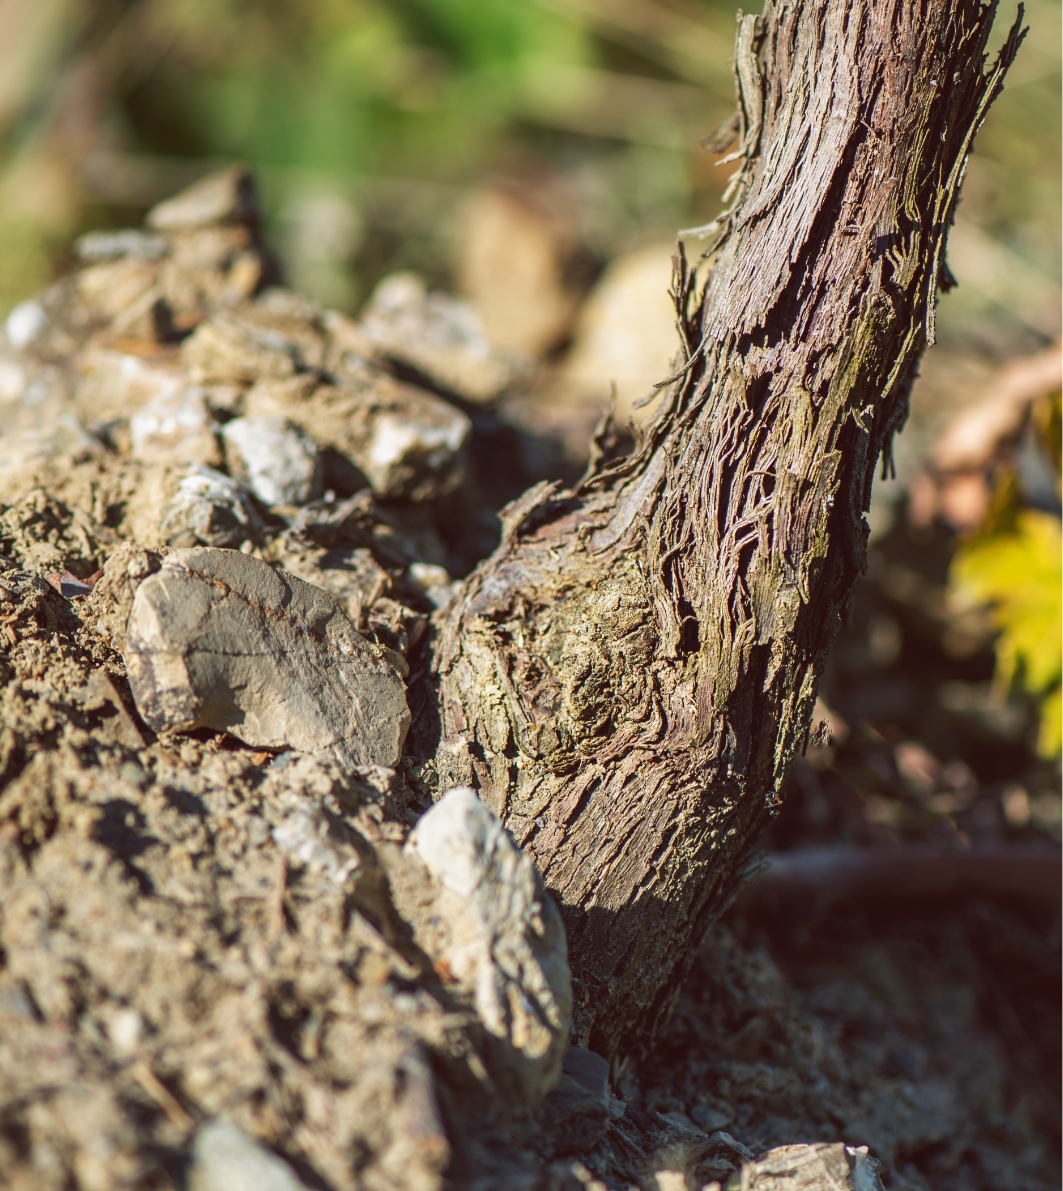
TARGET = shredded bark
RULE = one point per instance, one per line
(630, 676)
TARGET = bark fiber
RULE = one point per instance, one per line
(629, 677)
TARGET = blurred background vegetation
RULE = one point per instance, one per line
(370, 121)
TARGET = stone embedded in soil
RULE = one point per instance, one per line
(224, 1158)
(279, 462)
(227, 196)
(205, 506)
(115, 384)
(25, 322)
(226, 348)
(440, 336)
(25, 450)
(827, 1166)
(175, 426)
(405, 442)
(399, 445)
(499, 937)
(125, 242)
(431, 579)
(221, 640)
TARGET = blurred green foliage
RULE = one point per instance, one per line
(394, 108)
(341, 85)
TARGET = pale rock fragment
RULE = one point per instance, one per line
(279, 462)
(825, 1166)
(312, 791)
(122, 291)
(13, 380)
(227, 196)
(502, 939)
(26, 449)
(203, 506)
(131, 242)
(208, 268)
(431, 579)
(32, 393)
(224, 1158)
(401, 444)
(25, 323)
(175, 426)
(305, 836)
(226, 348)
(441, 336)
(125, 1029)
(220, 639)
(405, 442)
(115, 385)
(290, 319)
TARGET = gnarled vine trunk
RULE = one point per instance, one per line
(628, 678)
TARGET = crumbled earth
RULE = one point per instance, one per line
(876, 1033)
(225, 955)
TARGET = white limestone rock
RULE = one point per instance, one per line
(205, 507)
(224, 1158)
(441, 336)
(279, 462)
(499, 936)
(405, 442)
(175, 426)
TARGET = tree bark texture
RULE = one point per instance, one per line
(629, 677)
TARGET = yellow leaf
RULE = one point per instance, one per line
(1018, 570)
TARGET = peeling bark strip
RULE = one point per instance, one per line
(628, 679)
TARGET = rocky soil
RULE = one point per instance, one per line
(244, 942)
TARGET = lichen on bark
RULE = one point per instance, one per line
(629, 677)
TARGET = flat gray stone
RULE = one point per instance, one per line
(219, 639)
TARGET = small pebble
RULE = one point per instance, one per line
(208, 507)
(116, 245)
(25, 323)
(227, 196)
(175, 427)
